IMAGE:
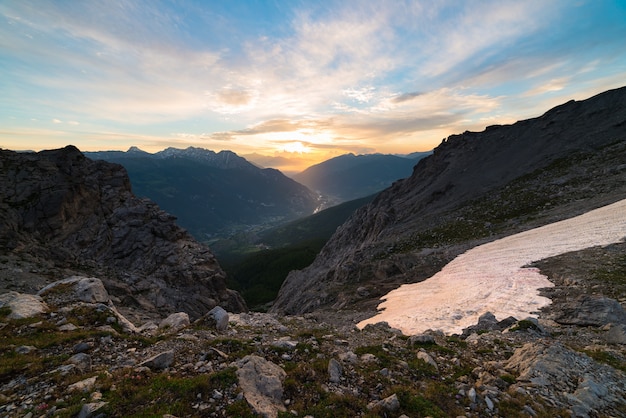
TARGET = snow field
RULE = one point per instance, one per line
(492, 277)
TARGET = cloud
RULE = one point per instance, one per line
(552, 85)
(234, 97)
(406, 96)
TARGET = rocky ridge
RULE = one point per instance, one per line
(65, 214)
(475, 188)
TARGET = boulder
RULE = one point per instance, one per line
(175, 322)
(91, 290)
(261, 382)
(159, 361)
(23, 305)
(571, 377)
(85, 385)
(89, 409)
(591, 310)
(82, 361)
(421, 339)
(424, 356)
(616, 334)
(216, 318)
(335, 371)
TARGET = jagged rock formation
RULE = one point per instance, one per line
(59, 207)
(476, 187)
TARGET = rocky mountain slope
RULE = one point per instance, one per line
(350, 176)
(213, 193)
(68, 352)
(64, 213)
(476, 187)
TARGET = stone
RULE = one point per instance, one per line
(81, 347)
(422, 355)
(571, 377)
(349, 357)
(68, 327)
(489, 403)
(285, 343)
(23, 305)
(471, 395)
(25, 349)
(175, 322)
(335, 371)
(159, 361)
(391, 403)
(82, 361)
(368, 358)
(591, 310)
(91, 290)
(85, 385)
(216, 318)
(616, 334)
(421, 339)
(261, 383)
(89, 409)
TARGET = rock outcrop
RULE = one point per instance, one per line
(578, 382)
(476, 187)
(81, 215)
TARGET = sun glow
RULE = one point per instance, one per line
(296, 147)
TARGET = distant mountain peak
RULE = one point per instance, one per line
(134, 149)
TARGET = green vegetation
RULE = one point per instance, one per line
(259, 273)
(613, 273)
(524, 325)
(144, 395)
(614, 360)
(318, 227)
(259, 276)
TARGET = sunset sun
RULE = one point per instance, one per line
(296, 147)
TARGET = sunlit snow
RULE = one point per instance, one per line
(491, 277)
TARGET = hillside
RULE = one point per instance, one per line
(350, 176)
(213, 193)
(476, 187)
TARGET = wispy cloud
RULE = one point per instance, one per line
(335, 75)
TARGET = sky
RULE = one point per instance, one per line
(291, 83)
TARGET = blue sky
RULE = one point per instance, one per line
(295, 79)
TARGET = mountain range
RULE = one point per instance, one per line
(350, 176)
(210, 192)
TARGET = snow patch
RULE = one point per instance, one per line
(491, 277)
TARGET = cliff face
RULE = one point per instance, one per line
(80, 214)
(476, 187)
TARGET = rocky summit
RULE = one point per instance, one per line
(64, 214)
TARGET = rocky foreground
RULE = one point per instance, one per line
(67, 351)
